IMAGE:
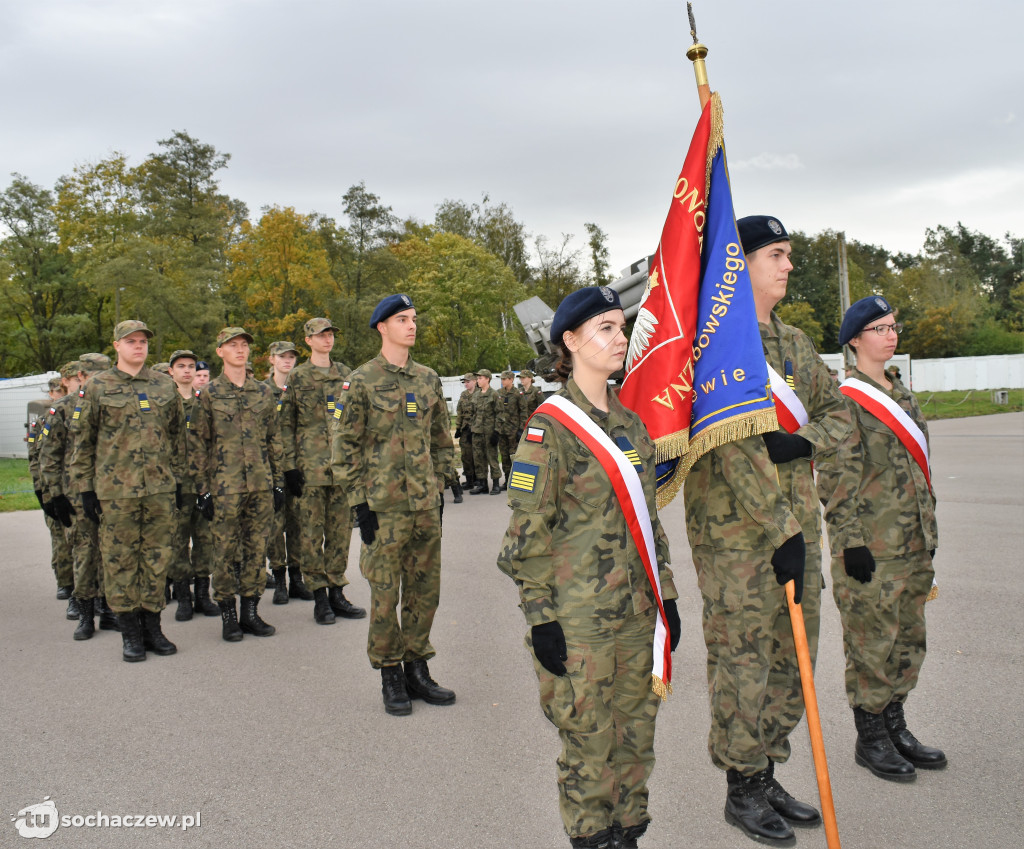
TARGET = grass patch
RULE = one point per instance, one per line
(16, 491)
(961, 403)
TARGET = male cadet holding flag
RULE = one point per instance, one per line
(754, 524)
(392, 452)
(308, 411)
(128, 463)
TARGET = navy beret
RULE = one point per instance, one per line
(388, 307)
(202, 365)
(756, 231)
(861, 314)
(580, 305)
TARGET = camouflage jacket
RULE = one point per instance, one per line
(484, 411)
(529, 400)
(736, 497)
(34, 439)
(507, 412)
(191, 407)
(55, 449)
(392, 447)
(278, 392)
(308, 410)
(234, 441)
(464, 411)
(567, 546)
(130, 439)
(874, 492)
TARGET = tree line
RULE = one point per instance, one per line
(160, 241)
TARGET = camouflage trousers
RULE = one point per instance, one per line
(61, 559)
(883, 628)
(403, 567)
(753, 675)
(485, 456)
(466, 450)
(137, 544)
(325, 534)
(191, 560)
(85, 548)
(283, 546)
(240, 529)
(604, 710)
(507, 449)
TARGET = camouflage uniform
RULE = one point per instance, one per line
(570, 553)
(392, 450)
(130, 451)
(485, 455)
(876, 495)
(529, 400)
(325, 518)
(195, 560)
(463, 420)
(285, 523)
(61, 555)
(235, 454)
(741, 507)
(507, 424)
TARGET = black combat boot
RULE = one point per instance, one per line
(229, 621)
(72, 611)
(296, 586)
(86, 627)
(396, 698)
(183, 593)
(479, 488)
(747, 807)
(626, 838)
(322, 613)
(797, 813)
(131, 637)
(271, 581)
(64, 593)
(906, 743)
(876, 751)
(457, 492)
(108, 619)
(420, 685)
(342, 606)
(152, 637)
(281, 586)
(249, 620)
(603, 839)
(495, 487)
(203, 603)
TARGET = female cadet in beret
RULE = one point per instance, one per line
(587, 598)
(880, 510)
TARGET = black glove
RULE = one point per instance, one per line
(675, 627)
(931, 554)
(62, 510)
(468, 437)
(788, 563)
(48, 510)
(294, 479)
(204, 504)
(784, 447)
(39, 498)
(859, 563)
(367, 521)
(91, 506)
(458, 433)
(494, 438)
(178, 500)
(278, 494)
(549, 647)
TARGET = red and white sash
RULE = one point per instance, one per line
(788, 407)
(887, 411)
(630, 492)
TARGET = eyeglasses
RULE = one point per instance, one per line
(883, 329)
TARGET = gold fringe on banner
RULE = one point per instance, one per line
(660, 688)
(715, 140)
(726, 431)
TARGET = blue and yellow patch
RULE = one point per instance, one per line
(338, 411)
(77, 413)
(330, 404)
(410, 404)
(626, 448)
(523, 477)
(143, 402)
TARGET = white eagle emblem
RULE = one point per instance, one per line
(644, 326)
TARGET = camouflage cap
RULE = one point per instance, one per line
(163, 368)
(131, 326)
(526, 373)
(182, 353)
(468, 376)
(484, 373)
(282, 348)
(70, 369)
(54, 382)
(508, 374)
(318, 325)
(229, 333)
(92, 363)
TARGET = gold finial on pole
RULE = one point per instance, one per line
(696, 55)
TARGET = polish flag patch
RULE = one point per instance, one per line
(535, 434)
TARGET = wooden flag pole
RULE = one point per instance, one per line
(697, 54)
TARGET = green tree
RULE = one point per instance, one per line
(558, 270)
(493, 227)
(801, 314)
(598, 242)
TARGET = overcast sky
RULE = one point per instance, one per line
(879, 117)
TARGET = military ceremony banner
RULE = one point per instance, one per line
(696, 372)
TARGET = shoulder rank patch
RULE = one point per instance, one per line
(338, 410)
(629, 451)
(77, 414)
(410, 404)
(143, 402)
(330, 404)
(535, 434)
(523, 477)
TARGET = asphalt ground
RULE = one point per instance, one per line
(283, 741)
